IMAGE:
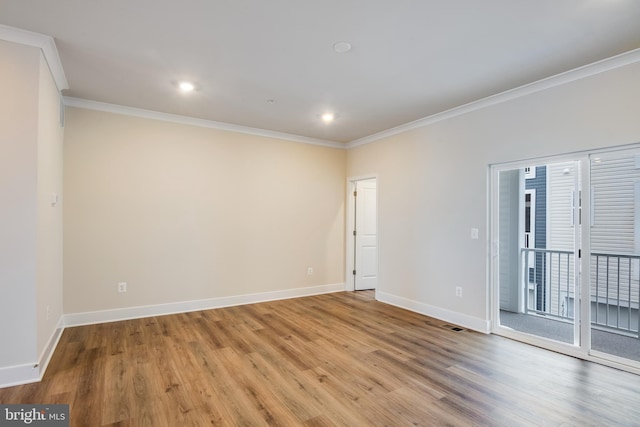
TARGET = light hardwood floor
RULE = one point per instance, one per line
(335, 359)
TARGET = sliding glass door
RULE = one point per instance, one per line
(565, 264)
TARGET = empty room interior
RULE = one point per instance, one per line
(339, 213)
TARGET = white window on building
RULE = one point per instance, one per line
(529, 172)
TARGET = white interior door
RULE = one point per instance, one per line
(366, 235)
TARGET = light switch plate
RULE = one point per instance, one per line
(475, 233)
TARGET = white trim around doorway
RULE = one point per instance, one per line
(349, 284)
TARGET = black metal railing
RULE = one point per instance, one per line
(548, 277)
(615, 289)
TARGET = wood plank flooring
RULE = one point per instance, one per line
(339, 359)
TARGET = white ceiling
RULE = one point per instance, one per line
(410, 58)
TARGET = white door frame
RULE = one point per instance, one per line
(349, 279)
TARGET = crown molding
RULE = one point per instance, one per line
(191, 121)
(45, 43)
(598, 67)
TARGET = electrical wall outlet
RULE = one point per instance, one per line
(475, 233)
(48, 312)
(310, 271)
(459, 291)
(122, 287)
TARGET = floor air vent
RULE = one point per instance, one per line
(453, 328)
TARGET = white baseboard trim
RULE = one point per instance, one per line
(32, 372)
(469, 322)
(104, 316)
(50, 348)
(19, 375)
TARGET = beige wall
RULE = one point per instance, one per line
(185, 213)
(49, 228)
(30, 230)
(433, 180)
(18, 136)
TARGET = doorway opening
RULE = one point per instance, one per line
(362, 234)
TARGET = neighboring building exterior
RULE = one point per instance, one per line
(536, 232)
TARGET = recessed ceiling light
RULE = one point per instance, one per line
(186, 86)
(328, 117)
(341, 47)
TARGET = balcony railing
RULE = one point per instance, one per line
(615, 287)
(548, 276)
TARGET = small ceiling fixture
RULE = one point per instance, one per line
(341, 47)
(186, 86)
(328, 117)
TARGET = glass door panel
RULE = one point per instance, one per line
(614, 277)
(538, 231)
